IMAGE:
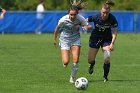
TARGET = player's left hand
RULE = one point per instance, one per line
(85, 28)
(111, 47)
(54, 43)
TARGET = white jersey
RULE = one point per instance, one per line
(69, 32)
(40, 9)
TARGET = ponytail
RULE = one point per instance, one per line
(77, 5)
(110, 3)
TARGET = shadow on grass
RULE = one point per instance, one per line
(132, 80)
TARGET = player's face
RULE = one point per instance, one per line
(104, 13)
(72, 15)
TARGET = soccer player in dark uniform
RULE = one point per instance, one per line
(103, 35)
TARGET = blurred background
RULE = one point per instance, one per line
(30, 5)
(21, 16)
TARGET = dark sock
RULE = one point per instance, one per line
(106, 69)
(92, 64)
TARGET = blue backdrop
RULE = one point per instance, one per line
(27, 22)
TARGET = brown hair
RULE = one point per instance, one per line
(108, 4)
(42, 1)
(77, 5)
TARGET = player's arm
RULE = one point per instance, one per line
(55, 34)
(3, 13)
(59, 25)
(87, 27)
(90, 19)
(114, 36)
(114, 33)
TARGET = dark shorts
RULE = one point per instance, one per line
(99, 42)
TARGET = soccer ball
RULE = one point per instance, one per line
(81, 83)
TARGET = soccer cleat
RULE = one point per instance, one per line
(72, 79)
(105, 79)
(64, 65)
(90, 70)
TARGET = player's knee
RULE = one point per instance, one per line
(107, 56)
(107, 60)
(91, 61)
(76, 60)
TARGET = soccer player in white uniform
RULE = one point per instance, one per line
(3, 11)
(70, 37)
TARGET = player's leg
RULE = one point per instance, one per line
(75, 50)
(65, 52)
(91, 59)
(75, 53)
(106, 66)
(94, 46)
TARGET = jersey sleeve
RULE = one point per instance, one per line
(83, 20)
(61, 22)
(90, 19)
(0, 10)
(114, 23)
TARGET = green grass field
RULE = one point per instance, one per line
(29, 63)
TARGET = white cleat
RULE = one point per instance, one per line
(64, 65)
(105, 79)
(72, 80)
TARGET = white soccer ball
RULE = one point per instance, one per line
(81, 83)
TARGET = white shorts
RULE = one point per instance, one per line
(67, 45)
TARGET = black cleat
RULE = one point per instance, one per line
(91, 69)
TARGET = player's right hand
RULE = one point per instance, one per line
(55, 44)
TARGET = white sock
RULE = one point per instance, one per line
(74, 69)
